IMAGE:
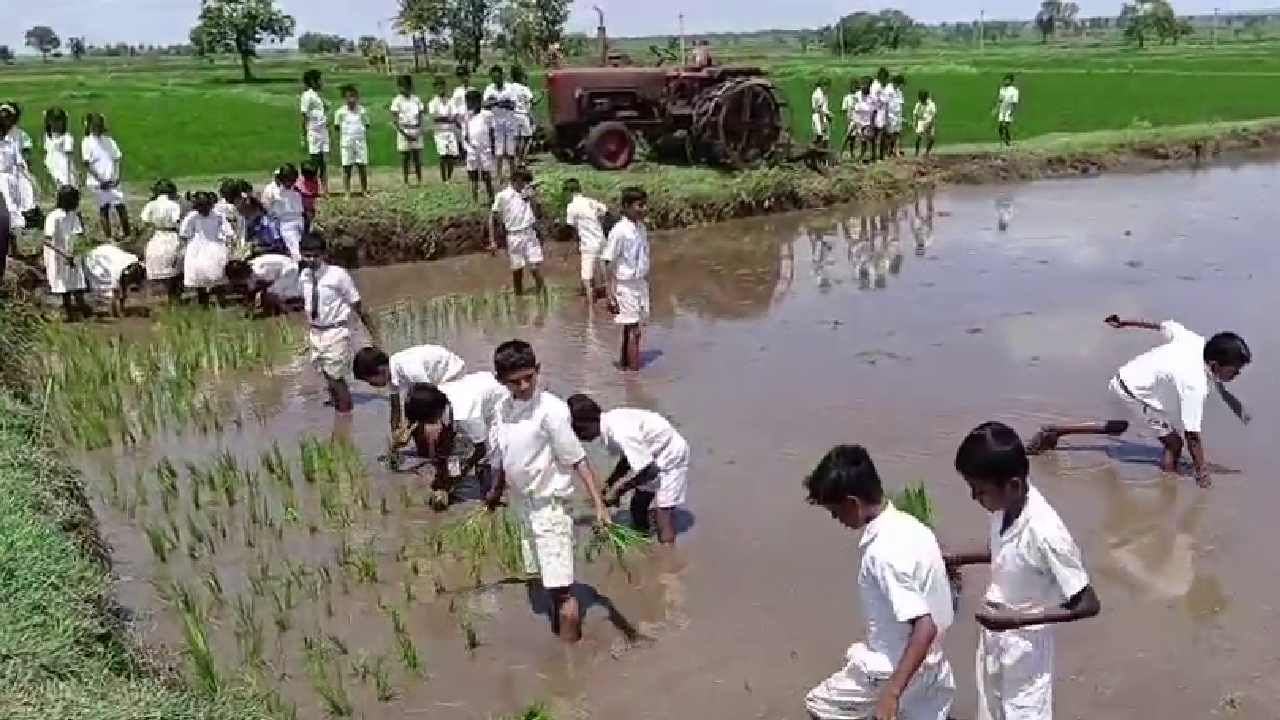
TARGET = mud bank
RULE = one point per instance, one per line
(404, 226)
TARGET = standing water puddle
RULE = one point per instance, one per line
(898, 328)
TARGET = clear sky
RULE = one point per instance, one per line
(163, 22)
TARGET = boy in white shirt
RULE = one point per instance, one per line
(514, 207)
(865, 114)
(111, 273)
(1037, 578)
(821, 113)
(406, 117)
(626, 261)
(444, 123)
(458, 101)
(431, 364)
(534, 452)
(584, 215)
(849, 106)
(478, 138)
(925, 114)
(102, 169)
(1007, 100)
(500, 100)
(523, 99)
(329, 297)
(899, 670)
(1179, 372)
(653, 457)
(441, 415)
(879, 116)
(315, 125)
(893, 115)
(352, 122)
(268, 282)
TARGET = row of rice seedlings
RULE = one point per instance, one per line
(364, 667)
(404, 644)
(481, 539)
(364, 562)
(536, 711)
(326, 677)
(412, 322)
(248, 631)
(276, 467)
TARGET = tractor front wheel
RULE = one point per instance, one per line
(610, 146)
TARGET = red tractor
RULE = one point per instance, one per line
(721, 115)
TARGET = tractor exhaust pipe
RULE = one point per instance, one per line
(602, 36)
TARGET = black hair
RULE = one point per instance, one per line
(349, 88)
(883, 72)
(368, 361)
(133, 276)
(632, 195)
(203, 201)
(1228, 350)
(572, 186)
(518, 74)
(231, 189)
(425, 403)
(994, 453)
(313, 242)
(68, 198)
(164, 186)
(583, 409)
(899, 80)
(496, 69)
(845, 471)
(1008, 76)
(513, 356)
(474, 98)
(522, 174)
(286, 170)
(238, 270)
(95, 119)
(309, 169)
(54, 115)
(17, 110)
(924, 95)
(461, 70)
(823, 80)
(311, 78)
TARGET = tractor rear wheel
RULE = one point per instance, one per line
(610, 146)
(738, 122)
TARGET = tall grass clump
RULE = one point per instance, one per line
(199, 650)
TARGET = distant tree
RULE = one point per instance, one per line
(515, 29)
(366, 44)
(421, 20)
(549, 18)
(1055, 15)
(43, 40)
(320, 43)
(575, 45)
(1143, 18)
(239, 26)
(468, 28)
(6, 55)
(76, 46)
(864, 32)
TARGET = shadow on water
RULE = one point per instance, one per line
(588, 598)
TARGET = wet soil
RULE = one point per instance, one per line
(898, 327)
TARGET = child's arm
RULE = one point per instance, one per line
(1115, 322)
(1195, 446)
(494, 496)
(369, 326)
(583, 470)
(646, 475)
(974, 557)
(493, 231)
(1081, 606)
(923, 632)
(1233, 402)
(397, 412)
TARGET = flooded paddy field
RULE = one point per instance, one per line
(898, 327)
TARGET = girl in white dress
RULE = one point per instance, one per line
(59, 148)
(16, 189)
(62, 269)
(102, 164)
(164, 249)
(208, 237)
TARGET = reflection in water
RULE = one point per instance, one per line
(922, 223)
(1004, 211)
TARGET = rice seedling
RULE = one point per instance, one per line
(536, 711)
(616, 541)
(361, 667)
(409, 596)
(404, 643)
(140, 489)
(276, 467)
(326, 678)
(196, 537)
(383, 509)
(914, 500)
(194, 631)
(159, 541)
(382, 680)
(482, 537)
(213, 585)
(113, 482)
(405, 499)
(248, 631)
(467, 624)
(414, 322)
(338, 644)
(364, 561)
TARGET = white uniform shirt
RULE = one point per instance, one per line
(329, 305)
(522, 96)
(424, 364)
(352, 124)
(58, 150)
(533, 443)
(438, 107)
(893, 101)
(515, 209)
(643, 438)
(104, 265)
(458, 101)
(210, 228)
(1035, 564)
(818, 101)
(925, 112)
(901, 577)
(283, 203)
(163, 213)
(1008, 100)
(279, 273)
(408, 112)
(474, 400)
(849, 103)
(21, 138)
(628, 250)
(479, 135)
(865, 111)
(494, 94)
(584, 214)
(10, 156)
(102, 155)
(1172, 373)
(312, 106)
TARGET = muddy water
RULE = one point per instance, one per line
(896, 327)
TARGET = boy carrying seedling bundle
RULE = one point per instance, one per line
(534, 450)
(654, 459)
(439, 416)
(899, 671)
(431, 364)
(329, 296)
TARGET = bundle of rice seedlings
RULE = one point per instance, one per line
(914, 500)
(482, 538)
(276, 467)
(618, 542)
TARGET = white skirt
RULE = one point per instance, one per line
(164, 250)
(19, 195)
(205, 264)
(63, 277)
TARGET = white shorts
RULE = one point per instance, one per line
(591, 266)
(163, 253)
(852, 692)
(447, 144)
(480, 161)
(504, 140)
(819, 125)
(880, 119)
(1005, 116)
(62, 276)
(524, 126)
(633, 302)
(924, 128)
(108, 197)
(524, 249)
(17, 192)
(894, 125)
(1154, 418)
(413, 142)
(546, 539)
(318, 141)
(331, 352)
(204, 264)
(355, 152)
(1014, 674)
(670, 488)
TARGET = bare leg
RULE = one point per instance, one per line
(104, 214)
(346, 179)
(565, 608)
(364, 179)
(538, 282)
(417, 165)
(404, 166)
(641, 501)
(633, 347)
(1047, 438)
(122, 213)
(666, 525)
(340, 394)
(1172, 452)
(488, 184)
(517, 281)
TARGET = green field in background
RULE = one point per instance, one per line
(184, 117)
